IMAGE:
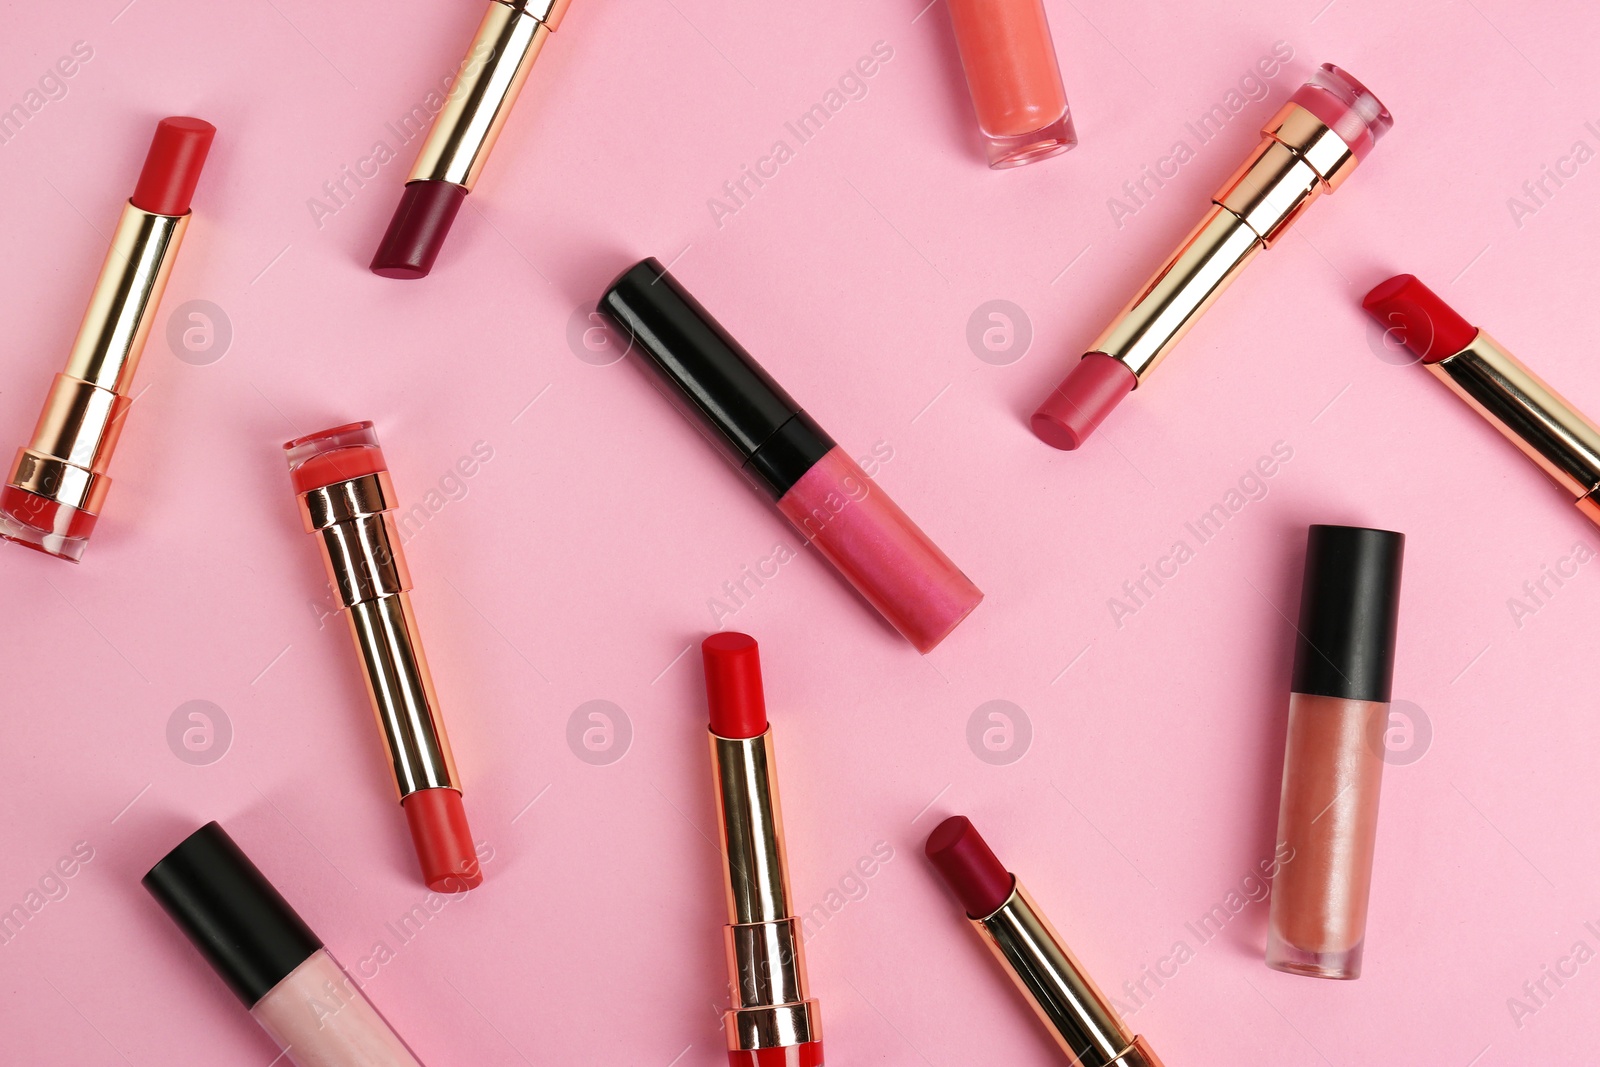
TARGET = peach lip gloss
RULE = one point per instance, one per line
(828, 498)
(1333, 759)
(269, 957)
(1015, 81)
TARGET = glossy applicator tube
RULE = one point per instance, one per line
(270, 958)
(774, 1021)
(1005, 917)
(1333, 759)
(481, 97)
(1309, 147)
(761, 430)
(1494, 383)
(348, 501)
(58, 483)
(1010, 64)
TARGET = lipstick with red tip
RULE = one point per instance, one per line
(1061, 992)
(58, 483)
(1308, 148)
(1494, 383)
(774, 1020)
(485, 88)
(347, 500)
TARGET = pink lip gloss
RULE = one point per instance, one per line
(828, 498)
(1010, 63)
(270, 958)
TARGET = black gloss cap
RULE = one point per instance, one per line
(232, 914)
(712, 379)
(1349, 613)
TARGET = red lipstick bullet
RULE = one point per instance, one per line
(774, 1021)
(58, 483)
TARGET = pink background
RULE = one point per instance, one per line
(580, 563)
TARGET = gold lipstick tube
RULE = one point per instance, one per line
(1309, 148)
(1530, 414)
(58, 482)
(1060, 990)
(77, 431)
(464, 132)
(485, 88)
(64, 465)
(354, 520)
(349, 503)
(1299, 159)
(772, 1005)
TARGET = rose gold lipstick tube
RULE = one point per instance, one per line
(1310, 147)
(1333, 759)
(348, 501)
(464, 132)
(1533, 416)
(59, 481)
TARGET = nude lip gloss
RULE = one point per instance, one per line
(1308, 148)
(1055, 984)
(1010, 64)
(270, 958)
(1538, 420)
(347, 500)
(1333, 759)
(774, 1021)
(480, 99)
(761, 430)
(58, 483)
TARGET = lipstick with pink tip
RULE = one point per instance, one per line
(828, 498)
(1308, 148)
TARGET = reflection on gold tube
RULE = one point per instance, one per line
(354, 520)
(772, 1006)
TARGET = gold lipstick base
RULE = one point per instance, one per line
(1061, 992)
(764, 942)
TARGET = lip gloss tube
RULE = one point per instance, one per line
(1308, 148)
(58, 483)
(270, 958)
(1010, 64)
(1055, 984)
(761, 430)
(348, 501)
(774, 1021)
(1494, 383)
(480, 99)
(1333, 759)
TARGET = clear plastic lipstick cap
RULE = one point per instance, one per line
(45, 525)
(1347, 106)
(320, 459)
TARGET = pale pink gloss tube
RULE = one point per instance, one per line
(815, 484)
(273, 962)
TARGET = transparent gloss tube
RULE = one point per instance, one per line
(1015, 81)
(1328, 819)
(320, 1018)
